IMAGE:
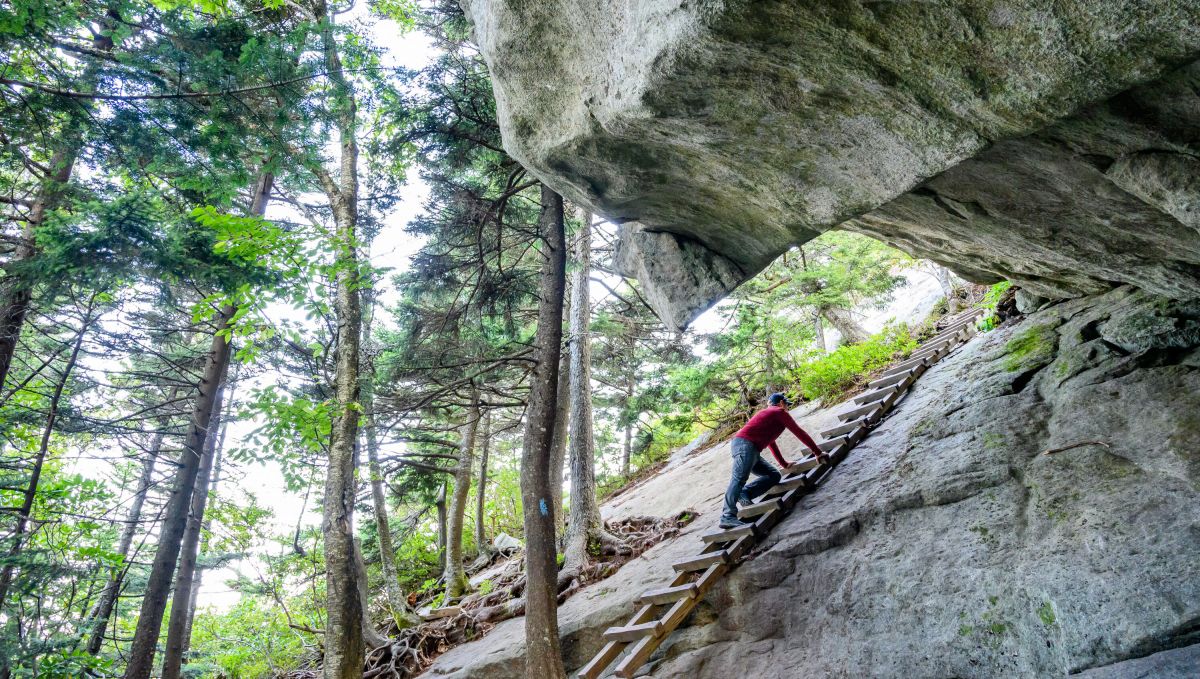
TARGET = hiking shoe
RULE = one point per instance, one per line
(727, 524)
(744, 500)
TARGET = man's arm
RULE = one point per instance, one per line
(778, 457)
(801, 434)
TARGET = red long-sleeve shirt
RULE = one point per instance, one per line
(767, 424)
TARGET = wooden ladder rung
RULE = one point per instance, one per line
(738, 549)
(950, 333)
(942, 341)
(612, 649)
(831, 444)
(932, 356)
(446, 612)
(729, 535)
(859, 412)
(699, 563)
(633, 632)
(668, 595)
(904, 366)
(674, 616)
(876, 395)
(767, 521)
(601, 660)
(843, 429)
(954, 326)
(799, 467)
(758, 508)
(641, 651)
(935, 345)
(798, 481)
(891, 379)
(861, 433)
(819, 475)
(791, 498)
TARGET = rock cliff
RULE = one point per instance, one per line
(949, 544)
(1051, 143)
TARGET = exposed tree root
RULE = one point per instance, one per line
(409, 652)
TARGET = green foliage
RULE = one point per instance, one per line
(992, 297)
(251, 640)
(848, 366)
(403, 12)
(988, 304)
(295, 430)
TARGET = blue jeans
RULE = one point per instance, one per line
(746, 460)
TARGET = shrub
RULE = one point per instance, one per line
(848, 366)
(988, 304)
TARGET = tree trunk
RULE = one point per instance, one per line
(398, 607)
(585, 526)
(371, 637)
(945, 279)
(819, 330)
(185, 573)
(174, 522)
(344, 645)
(558, 455)
(440, 504)
(485, 442)
(108, 597)
(769, 357)
(626, 449)
(18, 292)
(810, 288)
(18, 289)
(344, 651)
(543, 659)
(453, 575)
(39, 462)
(847, 327)
(206, 526)
(627, 398)
(942, 275)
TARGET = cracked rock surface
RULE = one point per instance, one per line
(948, 544)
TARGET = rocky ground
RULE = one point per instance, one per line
(949, 544)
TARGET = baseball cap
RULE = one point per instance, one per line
(777, 398)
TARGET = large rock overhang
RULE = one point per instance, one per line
(723, 133)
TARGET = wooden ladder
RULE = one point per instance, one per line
(660, 611)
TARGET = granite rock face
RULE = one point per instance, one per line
(948, 544)
(1109, 196)
(746, 127)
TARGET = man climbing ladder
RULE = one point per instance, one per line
(760, 432)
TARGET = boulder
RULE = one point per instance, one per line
(738, 129)
(1071, 209)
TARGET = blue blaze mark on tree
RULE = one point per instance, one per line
(542, 505)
